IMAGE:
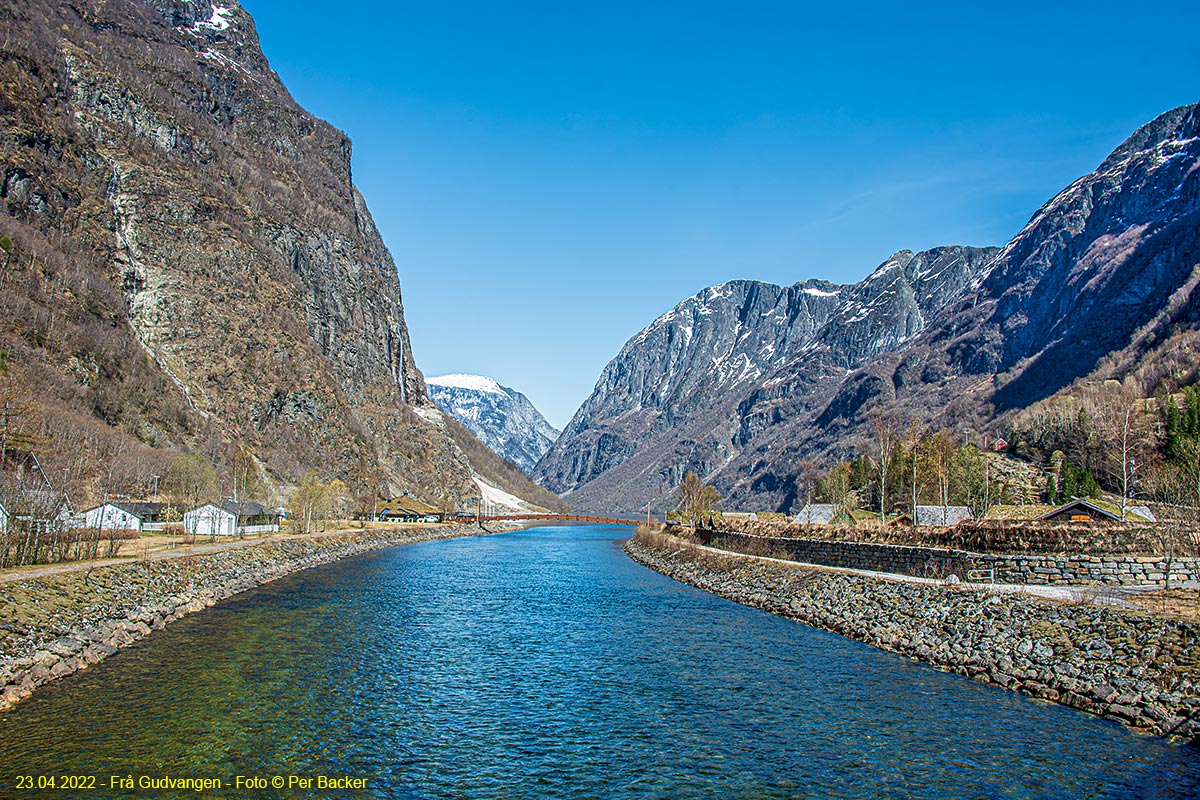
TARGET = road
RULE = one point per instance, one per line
(164, 551)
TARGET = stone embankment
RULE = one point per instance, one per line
(1140, 669)
(938, 562)
(55, 625)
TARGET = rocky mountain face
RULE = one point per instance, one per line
(500, 417)
(685, 366)
(739, 384)
(188, 259)
(682, 395)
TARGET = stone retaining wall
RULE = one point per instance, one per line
(922, 562)
(935, 562)
(1137, 668)
(55, 625)
(1036, 536)
(1111, 570)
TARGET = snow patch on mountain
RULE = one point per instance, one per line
(221, 19)
(500, 417)
(496, 500)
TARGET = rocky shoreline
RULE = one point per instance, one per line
(56, 625)
(1140, 669)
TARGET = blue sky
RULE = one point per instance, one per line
(550, 177)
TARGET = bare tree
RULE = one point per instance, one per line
(886, 438)
(248, 483)
(913, 442)
(308, 503)
(696, 499)
(1123, 433)
(190, 480)
(941, 461)
(835, 488)
(807, 476)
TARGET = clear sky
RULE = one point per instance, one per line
(550, 177)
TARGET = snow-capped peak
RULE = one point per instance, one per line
(477, 383)
(501, 418)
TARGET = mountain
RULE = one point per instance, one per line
(500, 417)
(743, 380)
(189, 266)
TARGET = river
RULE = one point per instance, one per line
(546, 663)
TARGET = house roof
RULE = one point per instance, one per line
(816, 514)
(862, 517)
(1102, 508)
(26, 488)
(406, 505)
(140, 509)
(24, 466)
(37, 503)
(1084, 506)
(942, 515)
(1015, 512)
(1141, 511)
(212, 506)
(248, 508)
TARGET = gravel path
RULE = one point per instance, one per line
(42, 570)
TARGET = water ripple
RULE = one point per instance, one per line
(546, 664)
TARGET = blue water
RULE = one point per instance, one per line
(546, 663)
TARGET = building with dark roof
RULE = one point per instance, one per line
(405, 509)
(1090, 509)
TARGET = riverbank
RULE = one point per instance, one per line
(53, 625)
(1140, 669)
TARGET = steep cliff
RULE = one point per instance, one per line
(189, 260)
(1099, 278)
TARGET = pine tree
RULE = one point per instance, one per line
(1068, 483)
(1191, 400)
(1173, 432)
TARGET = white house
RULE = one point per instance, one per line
(210, 520)
(118, 516)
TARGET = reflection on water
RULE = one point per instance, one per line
(544, 663)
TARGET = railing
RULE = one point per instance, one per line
(249, 529)
(556, 518)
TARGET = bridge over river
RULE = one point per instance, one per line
(535, 517)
